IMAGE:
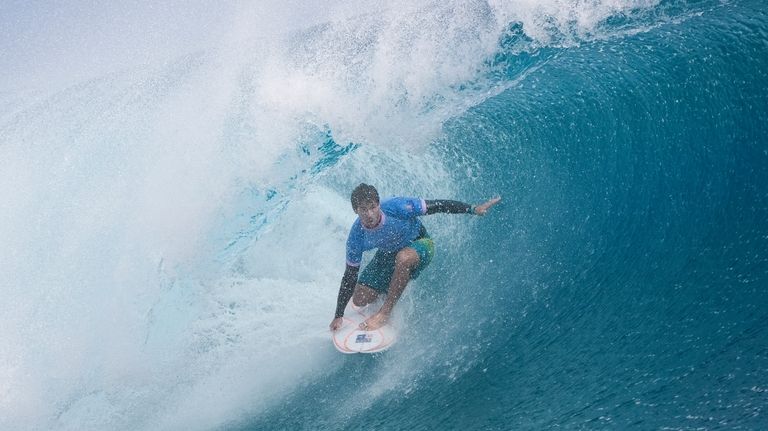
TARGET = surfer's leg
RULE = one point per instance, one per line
(406, 260)
(364, 295)
(375, 276)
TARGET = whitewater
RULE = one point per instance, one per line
(175, 203)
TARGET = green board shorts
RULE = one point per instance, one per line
(378, 272)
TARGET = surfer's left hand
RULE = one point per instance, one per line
(483, 207)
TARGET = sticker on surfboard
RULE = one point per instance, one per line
(351, 339)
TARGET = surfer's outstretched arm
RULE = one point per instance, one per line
(455, 207)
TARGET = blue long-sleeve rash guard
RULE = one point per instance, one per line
(398, 227)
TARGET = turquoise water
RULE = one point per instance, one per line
(175, 232)
(634, 174)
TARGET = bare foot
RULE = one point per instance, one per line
(375, 322)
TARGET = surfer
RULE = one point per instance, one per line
(403, 245)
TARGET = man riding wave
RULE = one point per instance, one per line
(404, 248)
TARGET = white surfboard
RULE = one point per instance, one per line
(351, 339)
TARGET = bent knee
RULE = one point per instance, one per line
(360, 302)
(408, 257)
(363, 295)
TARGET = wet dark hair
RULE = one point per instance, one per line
(364, 193)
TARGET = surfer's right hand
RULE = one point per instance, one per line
(336, 323)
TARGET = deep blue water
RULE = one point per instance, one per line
(174, 232)
(634, 173)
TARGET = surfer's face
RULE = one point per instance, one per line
(369, 213)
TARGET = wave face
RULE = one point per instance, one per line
(175, 215)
